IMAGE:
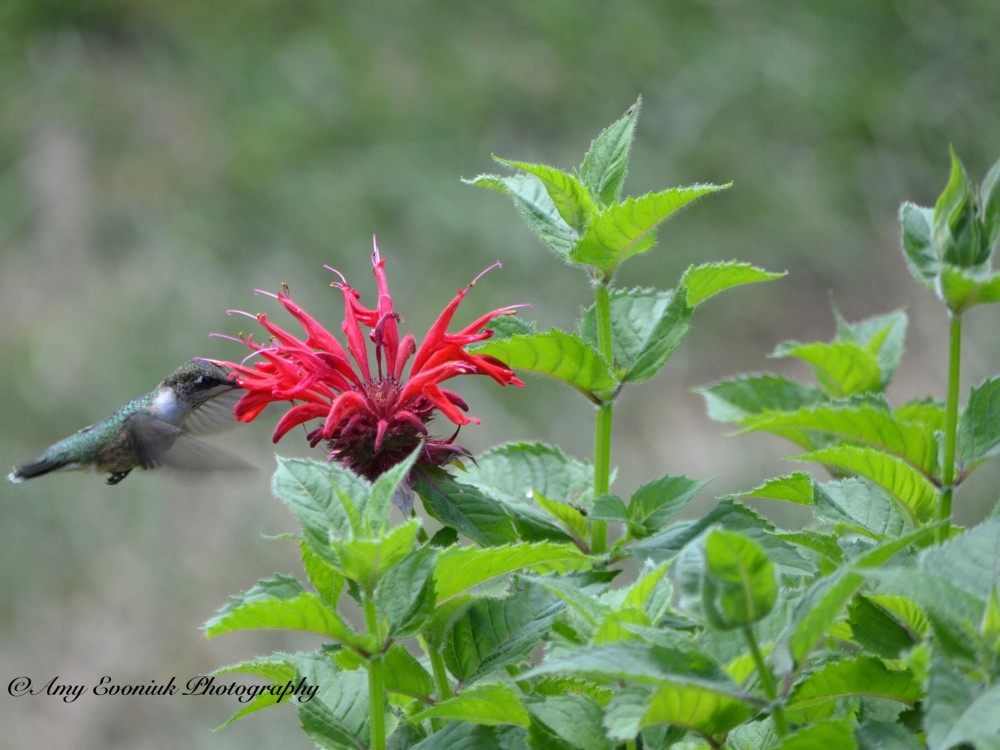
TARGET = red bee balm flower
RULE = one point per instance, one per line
(371, 421)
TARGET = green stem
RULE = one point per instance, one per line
(950, 428)
(602, 432)
(440, 674)
(376, 680)
(767, 682)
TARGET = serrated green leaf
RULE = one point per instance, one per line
(862, 506)
(621, 625)
(875, 734)
(979, 425)
(971, 559)
(568, 194)
(793, 488)
(990, 627)
(739, 586)
(555, 354)
(989, 194)
(734, 400)
(337, 716)
(642, 663)
(606, 162)
(459, 736)
(495, 633)
(327, 581)
(958, 710)
(367, 560)
(505, 326)
(405, 595)
(376, 510)
(650, 592)
(707, 280)
(459, 569)
(688, 707)
(437, 627)
(405, 675)
(659, 500)
(511, 473)
(275, 668)
(324, 498)
(829, 553)
(833, 733)
(918, 246)
(962, 289)
(927, 412)
(754, 735)
(464, 507)
(877, 630)
(629, 228)
(904, 611)
(822, 603)
(610, 508)
(647, 326)
(883, 335)
(280, 603)
(591, 611)
(815, 697)
(514, 470)
(575, 719)
(485, 704)
(571, 518)
(862, 423)
(664, 336)
(532, 201)
(812, 617)
(667, 542)
(694, 707)
(911, 488)
(843, 368)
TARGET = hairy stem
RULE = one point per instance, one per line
(602, 432)
(376, 681)
(950, 428)
(440, 674)
(766, 681)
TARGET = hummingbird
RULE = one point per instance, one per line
(153, 430)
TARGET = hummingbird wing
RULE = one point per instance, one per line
(214, 415)
(158, 443)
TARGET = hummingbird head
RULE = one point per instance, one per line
(198, 381)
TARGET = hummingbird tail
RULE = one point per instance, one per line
(36, 469)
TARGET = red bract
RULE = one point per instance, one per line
(371, 421)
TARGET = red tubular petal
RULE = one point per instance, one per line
(296, 416)
(352, 330)
(380, 431)
(343, 404)
(319, 337)
(433, 394)
(435, 336)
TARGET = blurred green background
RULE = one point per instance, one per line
(160, 159)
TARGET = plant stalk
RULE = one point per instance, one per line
(766, 681)
(376, 680)
(602, 432)
(440, 674)
(950, 428)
